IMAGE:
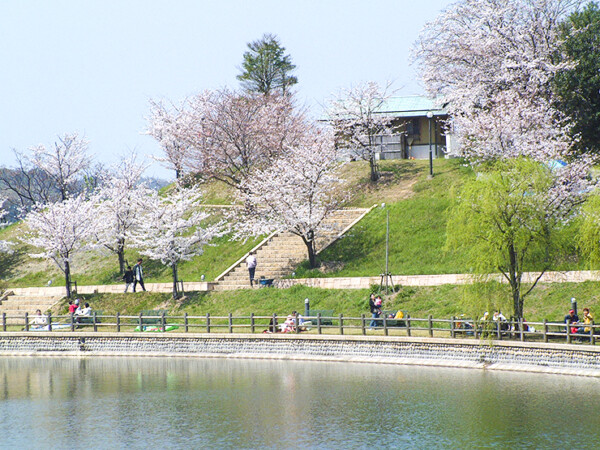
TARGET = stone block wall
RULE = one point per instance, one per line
(536, 357)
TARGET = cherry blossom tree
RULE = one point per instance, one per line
(61, 230)
(297, 193)
(64, 162)
(5, 246)
(479, 48)
(224, 135)
(165, 126)
(122, 200)
(174, 229)
(356, 116)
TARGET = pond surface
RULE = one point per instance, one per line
(220, 403)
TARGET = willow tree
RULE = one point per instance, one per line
(510, 219)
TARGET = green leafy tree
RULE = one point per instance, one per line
(589, 230)
(266, 68)
(579, 87)
(509, 220)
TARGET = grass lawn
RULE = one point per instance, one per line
(547, 301)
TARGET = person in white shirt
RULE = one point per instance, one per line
(251, 264)
(39, 320)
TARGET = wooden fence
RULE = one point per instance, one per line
(339, 324)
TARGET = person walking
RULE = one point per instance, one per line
(138, 275)
(251, 264)
(128, 277)
(375, 311)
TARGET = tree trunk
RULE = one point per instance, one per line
(373, 167)
(515, 282)
(309, 241)
(175, 290)
(121, 255)
(68, 277)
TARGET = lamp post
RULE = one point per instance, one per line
(430, 116)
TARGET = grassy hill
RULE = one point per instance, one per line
(417, 209)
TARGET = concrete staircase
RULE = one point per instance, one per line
(15, 306)
(281, 252)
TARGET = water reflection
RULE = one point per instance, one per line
(141, 402)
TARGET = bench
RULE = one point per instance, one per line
(313, 313)
(152, 316)
(89, 320)
(391, 322)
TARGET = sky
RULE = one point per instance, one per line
(91, 66)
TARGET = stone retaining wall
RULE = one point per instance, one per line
(496, 355)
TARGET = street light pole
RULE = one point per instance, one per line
(430, 116)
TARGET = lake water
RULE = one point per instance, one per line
(220, 403)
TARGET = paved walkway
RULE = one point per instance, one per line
(326, 283)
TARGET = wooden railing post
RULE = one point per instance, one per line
(341, 324)
(319, 323)
(521, 330)
(452, 326)
(26, 321)
(385, 328)
(362, 324)
(592, 339)
(252, 324)
(230, 322)
(430, 325)
(94, 321)
(3, 321)
(141, 322)
(208, 322)
(49, 321)
(185, 322)
(408, 324)
(162, 321)
(568, 327)
(545, 330)
(118, 320)
(72, 321)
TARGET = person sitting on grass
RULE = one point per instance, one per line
(86, 311)
(39, 320)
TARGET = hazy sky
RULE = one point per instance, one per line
(91, 65)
